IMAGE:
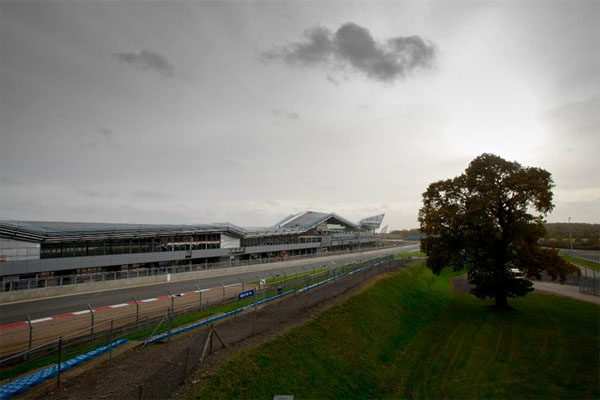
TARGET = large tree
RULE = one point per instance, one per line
(488, 221)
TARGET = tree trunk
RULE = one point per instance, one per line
(501, 302)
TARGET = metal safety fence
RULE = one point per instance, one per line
(589, 281)
(162, 324)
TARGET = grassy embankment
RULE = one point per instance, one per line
(582, 262)
(409, 335)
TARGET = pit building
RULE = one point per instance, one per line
(33, 249)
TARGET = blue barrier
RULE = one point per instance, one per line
(27, 382)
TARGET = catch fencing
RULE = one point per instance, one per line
(151, 327)
(192, 350)
(589, 281)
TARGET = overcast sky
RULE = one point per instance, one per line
(192, 112)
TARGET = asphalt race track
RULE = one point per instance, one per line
(16, 312)
(585, 254)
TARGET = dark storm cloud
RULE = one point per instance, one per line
(147, 60)
(352, 45)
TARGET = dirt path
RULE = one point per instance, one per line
(565, 291)
(171, 369)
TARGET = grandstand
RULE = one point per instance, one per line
(35, 249)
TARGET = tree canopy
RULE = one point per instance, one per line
(488, 221)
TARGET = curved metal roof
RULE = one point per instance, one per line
(50, 231)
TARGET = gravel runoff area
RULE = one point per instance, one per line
(460, 284)
(172, 370)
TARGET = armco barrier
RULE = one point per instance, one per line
(27, 382)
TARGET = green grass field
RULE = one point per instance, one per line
(410, 336)
(394, 236)
(408, 254)
(582, 262)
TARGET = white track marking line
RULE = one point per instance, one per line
(81, 312)
(35, 321)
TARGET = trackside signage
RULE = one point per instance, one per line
(245, 294)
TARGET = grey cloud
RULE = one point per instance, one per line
(147, 60)
(93, 140)
(318, 49)
(88, 146)
(575, 119)
(352, 45)
(150, 195)
(285, 114)
(89, 192)
(107, 134)
(333, 80)
(7, 180)
(241, 164)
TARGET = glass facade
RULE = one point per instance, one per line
(131, 245)
(275, 240)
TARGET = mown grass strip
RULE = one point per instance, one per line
(410, 336)
(409, 254)
(583, 262)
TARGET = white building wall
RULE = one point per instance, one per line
(228, 242)
(14, 250)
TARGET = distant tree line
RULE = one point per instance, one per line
(585, 236)
(404, 233)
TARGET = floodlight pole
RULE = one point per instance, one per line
(570, 236)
